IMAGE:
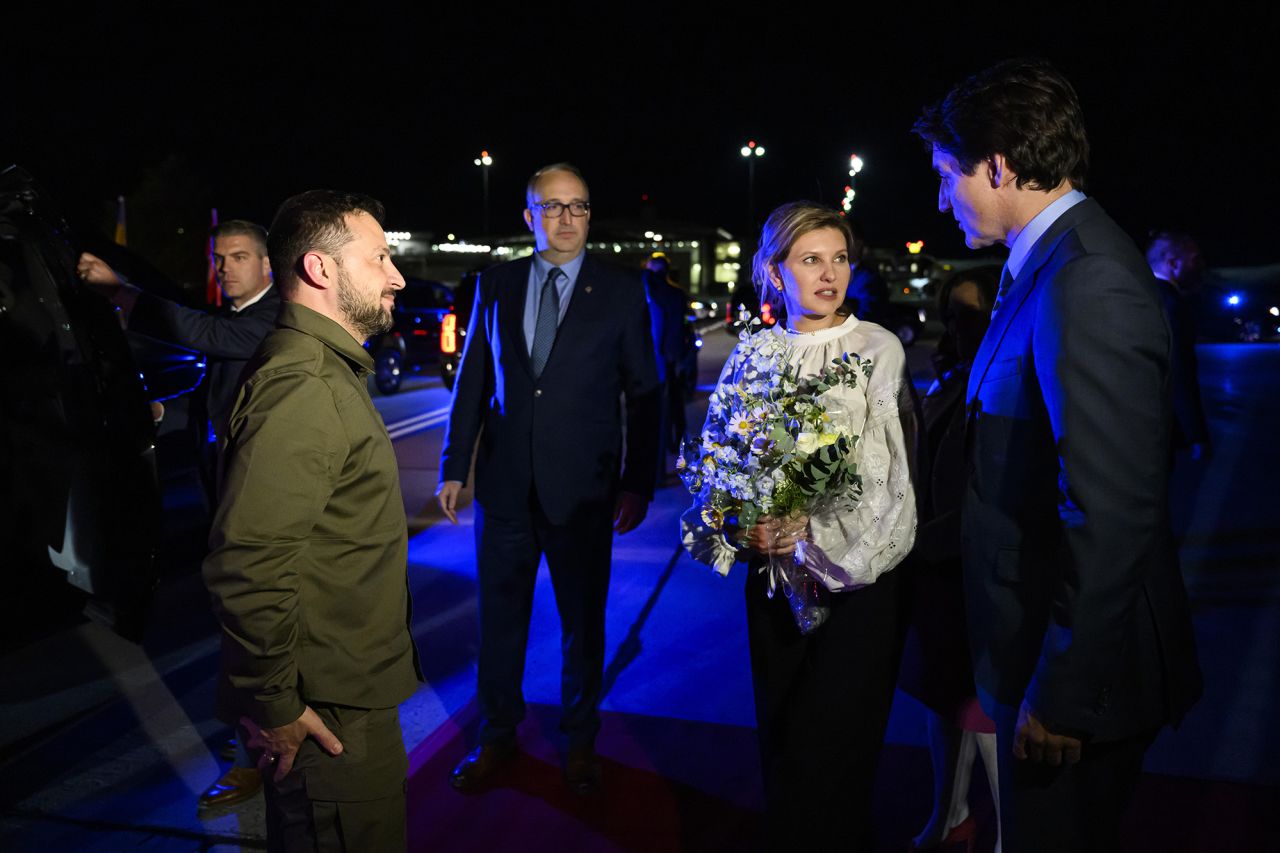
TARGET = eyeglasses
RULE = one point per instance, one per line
(553, 209)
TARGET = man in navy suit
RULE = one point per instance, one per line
(227, 337)
(1079, 622)
(555, 341)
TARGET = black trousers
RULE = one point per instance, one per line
(348, 803)
(1069, 808)
(822, 705)
(508, 552)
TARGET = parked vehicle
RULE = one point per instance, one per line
(414, 340)
(453, 329)
(80, 500)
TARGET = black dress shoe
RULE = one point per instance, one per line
(480, 765)
(582, 770)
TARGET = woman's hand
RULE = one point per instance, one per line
(770, 535)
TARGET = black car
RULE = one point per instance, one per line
(80, 499)
(414, 340)
(453, 328)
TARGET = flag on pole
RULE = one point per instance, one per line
(121, 237)
(212, 293)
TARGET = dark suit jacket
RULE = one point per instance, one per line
(868, 293)
(1188, 412)
(1072, 582)
(562, 433)
(666, 311)
(227, 338)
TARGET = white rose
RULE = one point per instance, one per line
(806, 442)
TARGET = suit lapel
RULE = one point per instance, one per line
(512, 292)
(1021, 288)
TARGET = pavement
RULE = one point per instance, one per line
(105, 745)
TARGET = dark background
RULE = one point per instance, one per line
(186, 108)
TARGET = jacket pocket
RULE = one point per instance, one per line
(1003, 368)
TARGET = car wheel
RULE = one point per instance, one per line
(387, 372)
(906, 333)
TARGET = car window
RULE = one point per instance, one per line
(421, 294)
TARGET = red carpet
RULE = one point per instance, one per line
(683, 785)
(668, 785)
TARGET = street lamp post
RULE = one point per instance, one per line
(751, 151)
(855, 166)
(484, 161)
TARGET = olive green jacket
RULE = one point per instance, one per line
(307, 562)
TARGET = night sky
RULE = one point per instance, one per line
(181, 111)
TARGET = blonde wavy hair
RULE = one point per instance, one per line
(785, 225)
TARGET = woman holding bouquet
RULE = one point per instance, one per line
(822, 696)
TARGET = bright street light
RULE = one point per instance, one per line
(751, 152)
(856, 165)
(484, 161)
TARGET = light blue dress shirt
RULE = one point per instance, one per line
(1026, 239)
(533, 298)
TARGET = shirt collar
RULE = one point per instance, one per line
(1028, 236)
(328, 332)
(570, 268)
(254, 300)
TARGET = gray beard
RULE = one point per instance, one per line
(366, 319)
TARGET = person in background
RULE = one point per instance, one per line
(555, 341)
(935, 664)
(667, 314)
(1176, 262)
(868, 295)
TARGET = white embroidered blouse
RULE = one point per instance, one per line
(847, 549)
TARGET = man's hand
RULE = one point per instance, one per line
(280, 745)
(629, 511)
(771, 535)
(447, 495)
(94, 270)
(1032, 740)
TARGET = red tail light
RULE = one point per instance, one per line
(449, 334)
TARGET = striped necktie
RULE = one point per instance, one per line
(544, 332)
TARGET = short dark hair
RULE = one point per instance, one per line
(1162, 245)
(554, 167)
(1021, 108)
(242, 228)
(314, 221)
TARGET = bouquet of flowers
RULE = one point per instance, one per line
(772, 446)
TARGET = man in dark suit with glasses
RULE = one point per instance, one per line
(555, 342)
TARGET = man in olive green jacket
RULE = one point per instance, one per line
(307, 567)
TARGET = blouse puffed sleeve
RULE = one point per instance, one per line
(705, 543)
(854, 547)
